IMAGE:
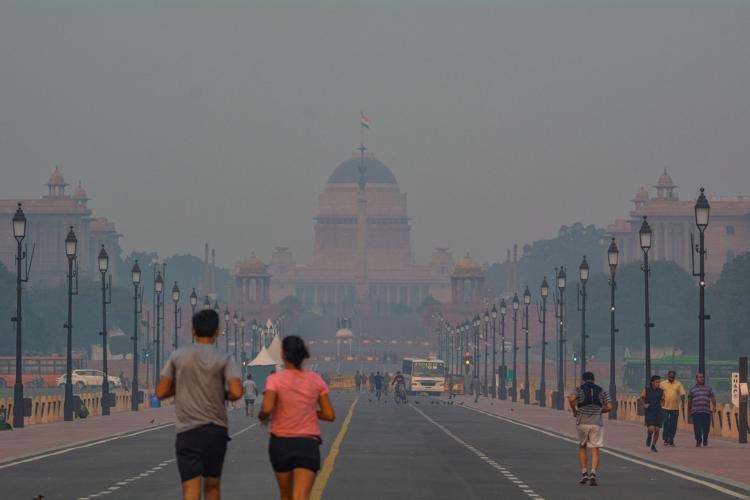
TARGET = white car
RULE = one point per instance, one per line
(89, 378)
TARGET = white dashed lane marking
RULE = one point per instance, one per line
(506, 474)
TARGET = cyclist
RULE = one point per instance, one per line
(399, 383)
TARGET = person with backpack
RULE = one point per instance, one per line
(652, 400)
(588, 404)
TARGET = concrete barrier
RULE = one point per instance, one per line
(49, 408)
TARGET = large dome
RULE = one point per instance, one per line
(348, 172)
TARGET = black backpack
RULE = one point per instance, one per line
(591, 395)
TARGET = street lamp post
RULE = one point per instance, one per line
(613, 257)
(526, 386)
(583, 276)
(254, 346)
(226, 329)
(177, 312)
(19, 233)
(514, 383)
(193, 304)
(503, 368)
(158, 288)
(135, 274)
(236, 321)
(103, 261)
(544, 292)
(477, 323)
(644, 235)
(243, 356)
(71, 248)
(561, 284)
(486, 345)
(702, 212)
(493, 313)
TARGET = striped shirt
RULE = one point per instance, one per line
(590, 414)
(700, 397)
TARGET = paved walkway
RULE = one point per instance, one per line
(35, 439)
(723, 459)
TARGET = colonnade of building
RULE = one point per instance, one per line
(254, 290)
(467, 290)
(411, 295)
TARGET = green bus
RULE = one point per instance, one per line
(719, 371)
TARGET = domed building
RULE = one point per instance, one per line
(362, 257)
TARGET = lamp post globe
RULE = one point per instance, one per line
(135, 274)
(515, 303)
(175, 293)
(503, 307)
(702, 210)
(583, 271)
(206, 303)
(561, 279)
(544, 288)
(103, 260)
(613, 256)
(193, 299)
(71, 244)
(19, 224)
(159, 283)
(644, 235)
(216, 306)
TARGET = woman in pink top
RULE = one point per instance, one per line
(294, 400)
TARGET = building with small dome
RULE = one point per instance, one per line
(672, 220)
(49, 220)
(362, 255)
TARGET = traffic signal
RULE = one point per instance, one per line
(468, 358)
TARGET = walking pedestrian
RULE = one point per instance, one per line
(386, 383)
(358, 381)
(701, 404)
(588, 403)
(674, 400)
(294, 400)
(378, 385)
(652, 400)
(371, 381)
(251, 392)
(198, 376)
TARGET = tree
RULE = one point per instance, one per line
(728, 331)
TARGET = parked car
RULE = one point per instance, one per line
(89, 378)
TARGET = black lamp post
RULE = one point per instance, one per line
(583, 276)
(613, 257)
(477, 352)
(514, 384)
(503, 368)
(254, 346)
(158, 288)
(19, 233)
(544, 292)
(71, 248)
(103, 261)
(236, 321)
(193, 304)
(644, 235)
(702, 212)
(561, 284)
(243, 356)
(177, 312)
(526, 386)
(135, 274)
(486, 349)
(206, 303)
(493, 313)
(226, 330)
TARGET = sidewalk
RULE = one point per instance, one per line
(35, 439)
(723, 459)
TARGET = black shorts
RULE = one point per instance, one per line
(654, 418)
(200, 451)
(289, 453)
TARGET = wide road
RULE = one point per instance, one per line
(424, 450)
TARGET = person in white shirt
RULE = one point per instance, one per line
(251, 392)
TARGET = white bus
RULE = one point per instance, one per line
(424, 376)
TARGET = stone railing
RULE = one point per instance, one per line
(48, 409)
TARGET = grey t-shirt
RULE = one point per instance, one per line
(591, 414)
(200, 373)
(251, 390)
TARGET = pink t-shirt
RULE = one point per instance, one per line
(297, 394)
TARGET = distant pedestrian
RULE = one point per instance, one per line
(378, 385)
(251, 393)
(358, 381)
(294, 400)
(701, 404)
(588, 403)
(652, 400)
(674, 400)
(371, 382)
(386, 383)
(450, 386)
(198, 376)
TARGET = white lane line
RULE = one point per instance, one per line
(467, 446)
(675, 473)
(80, 447)
(126, 482)
(243, 430)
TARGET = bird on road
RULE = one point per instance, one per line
(152, 421)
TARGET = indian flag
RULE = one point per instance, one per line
(364, 121)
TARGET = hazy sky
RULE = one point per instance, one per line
(501, 121)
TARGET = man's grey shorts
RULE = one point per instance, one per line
(590, 435)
